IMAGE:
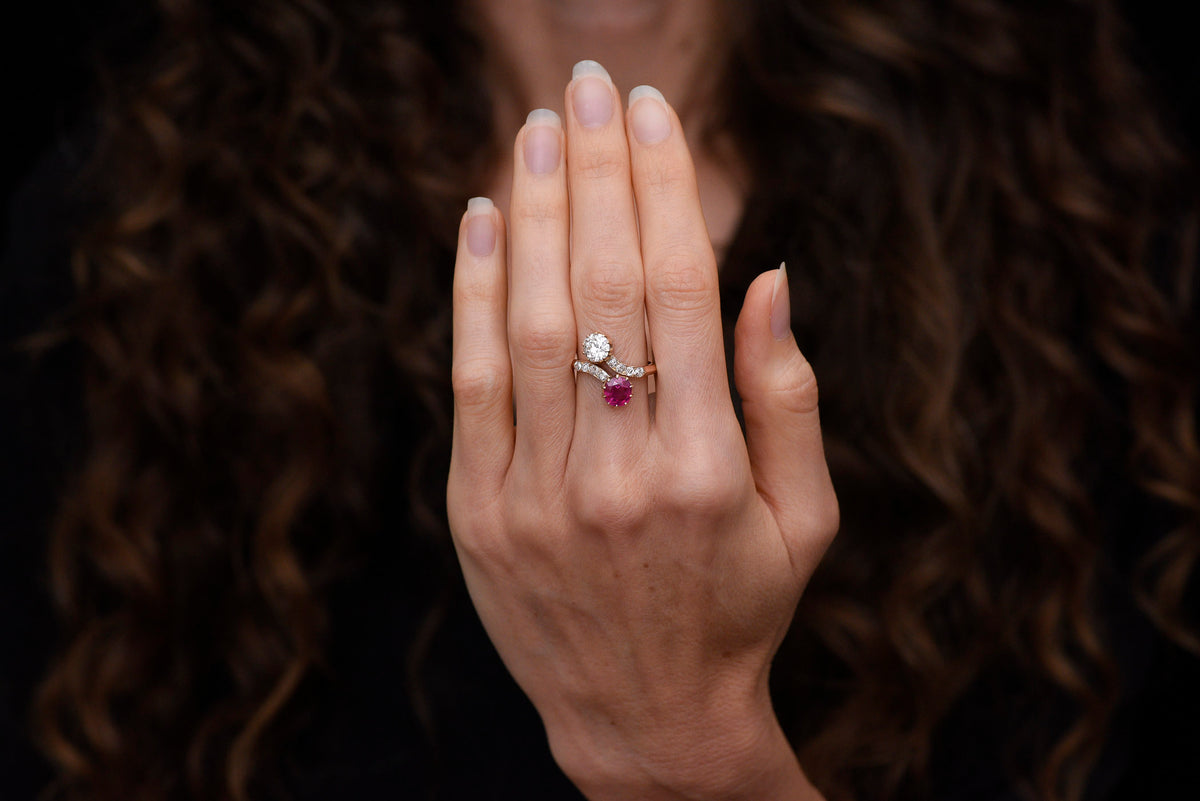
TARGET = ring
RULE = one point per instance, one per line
(618, 390)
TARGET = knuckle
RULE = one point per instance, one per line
(794, 387)
(705, 488)
(485, 547)
(472, 295)
(828, 518)
(538, 212)
(600, 163)
(602, 507)
(666, 176)
(611, 284)
(682, 278)
(543, 340)
(475, 291)
(475, 529)
(478, 384)
(819, 525)
(526, 523)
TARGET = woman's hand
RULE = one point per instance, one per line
(636, 567)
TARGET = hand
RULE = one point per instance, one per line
(636, 567)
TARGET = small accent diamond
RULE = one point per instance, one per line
(623, 369)
(592, 370)
(596, 348)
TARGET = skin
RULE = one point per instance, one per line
(637, 567)
(675, 45)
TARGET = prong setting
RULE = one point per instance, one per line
(618, 390)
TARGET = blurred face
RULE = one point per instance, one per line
(608, 13)
(601, 17)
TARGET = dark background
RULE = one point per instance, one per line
(46, 51)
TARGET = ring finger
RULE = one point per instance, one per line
(607, 283)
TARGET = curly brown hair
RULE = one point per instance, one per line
(992, 239)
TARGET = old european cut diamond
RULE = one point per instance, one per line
(596, 348)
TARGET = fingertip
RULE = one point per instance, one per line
(763, 335)
(638, 92)
(587, 67)
(543, 116)
(479, 205)
(591, 95)
(760, 299)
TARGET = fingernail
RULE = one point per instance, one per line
(649, 121)
(481, 227)
(591, 94)
(542, 148)
(781, 305)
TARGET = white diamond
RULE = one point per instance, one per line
(620, 368)
(592, 370)
(596, 348)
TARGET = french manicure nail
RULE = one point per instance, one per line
(589, 67)
(542, 141)
(591, 94)
(481, 227)
(781, 305)
(650, 121)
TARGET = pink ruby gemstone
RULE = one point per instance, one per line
(618, 390)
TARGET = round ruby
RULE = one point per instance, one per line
(618, 390)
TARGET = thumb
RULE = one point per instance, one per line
(783, 430)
